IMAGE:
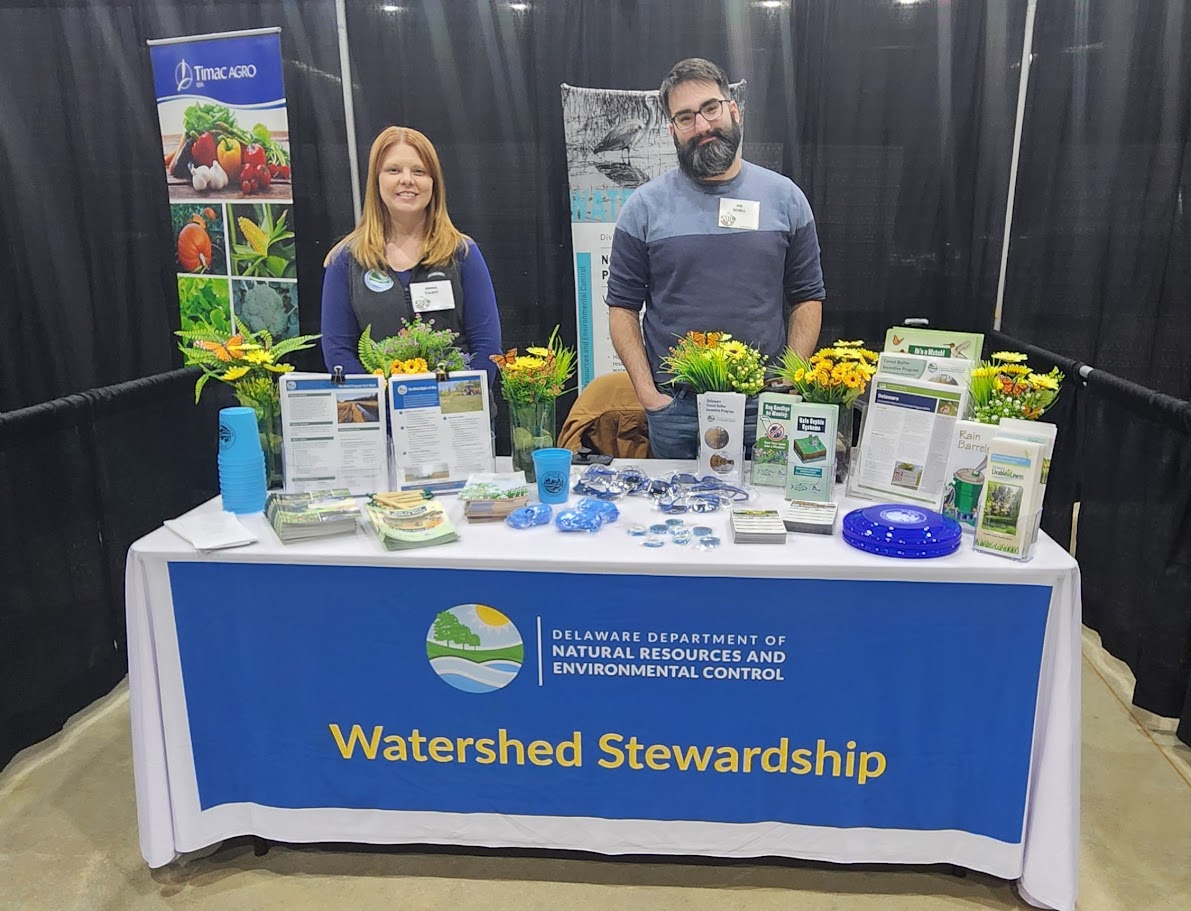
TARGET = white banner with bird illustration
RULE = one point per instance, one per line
(616, 141)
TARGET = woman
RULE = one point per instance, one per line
(405, 259)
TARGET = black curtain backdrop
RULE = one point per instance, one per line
(896, 119)
(1100, 258)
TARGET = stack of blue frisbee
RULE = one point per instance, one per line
(897, 530)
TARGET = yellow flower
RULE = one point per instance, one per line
(840, 343)
(397, 367)
(279, 368)
(416, 365)
(234, 374)
(734, 348)
(1043, 381)
(540, 352)
(259, 357)
(527, 362)
(1015, 369)
(378, 372)
(1011, 357)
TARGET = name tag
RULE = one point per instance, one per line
(429, 296)
(740, 213)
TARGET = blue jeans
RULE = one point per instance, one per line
(674, 428)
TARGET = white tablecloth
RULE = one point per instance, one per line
(171, 821)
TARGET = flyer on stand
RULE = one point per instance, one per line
(442, 429)
(334, 433)
(907, 440)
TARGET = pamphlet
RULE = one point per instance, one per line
(906, 440)
(420, 525)
(951, 371)
(334, 434)
(810, 473)
(1006, 520)
(771, 451)
(311, 514)
(934, 342)
(442, 429)
(806, 517)
(967, 465)
(493, 495)
(1041, 432)
(721, 435)
(758, 526)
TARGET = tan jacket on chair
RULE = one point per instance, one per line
(608, 419)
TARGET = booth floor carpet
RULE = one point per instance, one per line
(68, 842)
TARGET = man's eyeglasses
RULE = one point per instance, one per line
(711, 110)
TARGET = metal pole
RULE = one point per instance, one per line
(349, 111)
(1027, 54)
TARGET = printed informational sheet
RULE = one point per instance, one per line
(907, 440)
(442, 429)
(335, 434)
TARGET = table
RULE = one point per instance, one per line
(535, 689)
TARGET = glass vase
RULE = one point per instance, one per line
(268, 422)
(531, 426)
(843, 444)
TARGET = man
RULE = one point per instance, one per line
(717, 245)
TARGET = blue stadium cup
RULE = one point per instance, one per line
(239, 436)
(242, 480)
(553, 470)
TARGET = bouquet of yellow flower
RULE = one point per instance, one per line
(249, 361)
(417, 348)
(539, 374)
(831, 376)
(531, 383)
(715, 362)
(1004, 387)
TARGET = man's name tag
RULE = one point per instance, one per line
(430, 296)
(740, 213)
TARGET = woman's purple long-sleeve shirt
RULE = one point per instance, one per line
(481, 331)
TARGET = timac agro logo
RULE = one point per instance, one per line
(183, 75)
(186, 75)
(475, 648)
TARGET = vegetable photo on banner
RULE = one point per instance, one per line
(199, 238)
(262, 242)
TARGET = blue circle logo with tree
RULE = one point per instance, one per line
(475, 648)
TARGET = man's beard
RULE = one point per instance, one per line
(703, 162)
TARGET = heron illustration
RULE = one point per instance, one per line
(623, 137)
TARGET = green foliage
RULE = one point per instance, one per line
(715, 362)
(416, 339)
(539, 375)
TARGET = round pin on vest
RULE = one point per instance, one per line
(378, 281)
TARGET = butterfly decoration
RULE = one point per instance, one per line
(706, 339)
(225, 352)
(897, 341)
(504, 360)
(1014, 385)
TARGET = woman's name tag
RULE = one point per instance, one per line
(429, 296)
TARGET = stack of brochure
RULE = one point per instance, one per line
(810, 518)
(314, 514)
(758, 526)
(492, 496)
(422, 523)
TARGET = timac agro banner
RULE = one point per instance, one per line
(830, 703)
(225, 155)
(616, 141)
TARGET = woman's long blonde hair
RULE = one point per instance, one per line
(367, 242)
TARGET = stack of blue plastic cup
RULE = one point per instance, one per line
(241, 461)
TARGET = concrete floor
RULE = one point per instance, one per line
(68, 842)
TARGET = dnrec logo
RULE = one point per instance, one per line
(475, 648)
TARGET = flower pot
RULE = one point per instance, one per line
(531, 426)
